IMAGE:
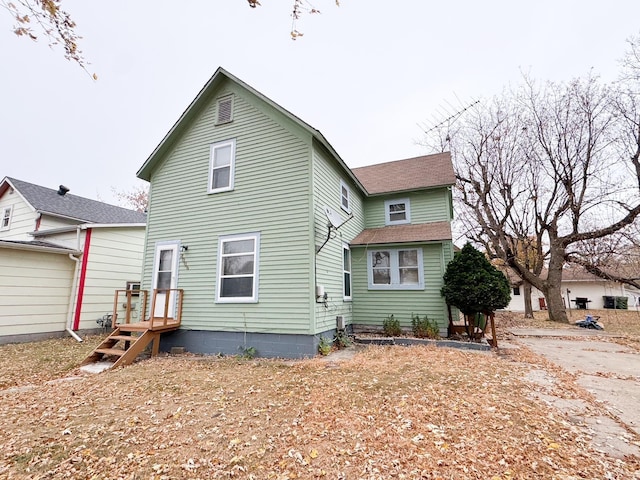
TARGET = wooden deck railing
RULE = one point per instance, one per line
(130, 299)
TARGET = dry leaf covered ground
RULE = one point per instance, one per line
(386, 412)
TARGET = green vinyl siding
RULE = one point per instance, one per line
(426, 206)
(373, 306)
(271, 196)
(328, 262)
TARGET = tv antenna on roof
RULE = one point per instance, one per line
(334, 223)
(451, 118)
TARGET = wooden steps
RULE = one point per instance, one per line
(124, 349)
(129, 339)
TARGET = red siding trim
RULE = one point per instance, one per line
(83, 276)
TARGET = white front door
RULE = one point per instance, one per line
(165, 277)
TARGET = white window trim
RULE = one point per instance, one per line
(232, 165)
(4, 215)
(255, 236)
(395, 270)
(345, 247)
(387, 212)
(348, 197)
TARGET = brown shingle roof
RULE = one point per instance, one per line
(424, 232)
(411, 174)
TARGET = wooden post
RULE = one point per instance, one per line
(153, 306)
(167, 296)
(128, 307)
(156, 345)
(494, 340)
(114, 317)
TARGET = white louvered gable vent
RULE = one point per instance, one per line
(225, 109)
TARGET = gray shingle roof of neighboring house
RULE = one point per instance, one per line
(47, 200)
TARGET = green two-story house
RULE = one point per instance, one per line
(274, 241)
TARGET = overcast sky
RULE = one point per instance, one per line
(365, 76)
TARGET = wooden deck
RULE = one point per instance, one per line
(157, 324)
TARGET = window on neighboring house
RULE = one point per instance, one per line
(516, 290)
(397, 211)
(224, 109)
(399, 269)
(134, 287)
(345, 197)
(5, 222)
(238, 268)
(346, 272)
(222, 166)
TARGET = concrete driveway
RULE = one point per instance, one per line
(608, 370)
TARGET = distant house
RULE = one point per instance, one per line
(61, 257)
(274, 241)
(580, 289)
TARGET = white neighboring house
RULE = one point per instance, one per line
(62, 257)
(579, 289)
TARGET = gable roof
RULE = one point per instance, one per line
(202, 98)
(48, 201)
(423, 232)
(416, 173)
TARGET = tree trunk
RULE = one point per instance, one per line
(528, 308)
(555, 304)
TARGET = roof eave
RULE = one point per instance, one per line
(38, 248)
(84, 226)
(409, 190)
(400, 242)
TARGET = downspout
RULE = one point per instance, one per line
(82, 278)
(69, 328)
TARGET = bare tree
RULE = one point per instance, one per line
(298, 8)
(37, 18)
(136, 198)
(550, 166)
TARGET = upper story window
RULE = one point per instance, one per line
(346, 272)
(397, 211)
(5, 221)
(395, 269)
(238, 268)
(222, 166)
(516, 290)
(345, 197)
(224, 109)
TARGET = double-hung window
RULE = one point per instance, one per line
(222, 166)
(5, 221)
(346, 272)
(395, 269)
(345, 197)
(238, 257)
(397, 212)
